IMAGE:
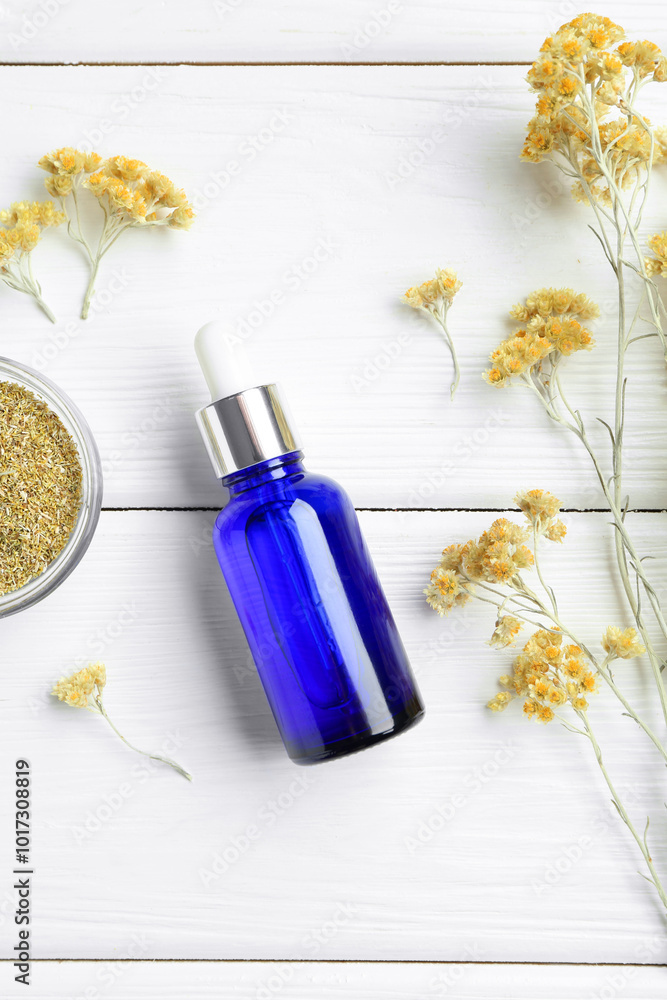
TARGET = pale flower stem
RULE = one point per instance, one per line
(45, 309)
(547, 590)
(94, 267)
(37, 292)
(640, 841)
(621, 530)
(145, 753)
(107, 239)
(80, 238)
(440, 316)
(24, 282)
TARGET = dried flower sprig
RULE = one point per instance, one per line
(435, 297)
(550, 674)
(553, 331)
(130, 194)
(83, 689)
(552, 320)
(21, 228)
(587, 123)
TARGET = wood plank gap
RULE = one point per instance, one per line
(404, 510)
(345, 961)
(306, 63)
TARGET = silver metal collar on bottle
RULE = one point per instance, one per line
(246, 428)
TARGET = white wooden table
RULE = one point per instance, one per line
(528, 888)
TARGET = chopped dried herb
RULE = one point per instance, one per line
(40, 486)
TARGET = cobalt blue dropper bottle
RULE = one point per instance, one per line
(301, 578)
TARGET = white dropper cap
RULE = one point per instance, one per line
(224, 364)
(245, 423)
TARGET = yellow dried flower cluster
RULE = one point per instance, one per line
(435, 297)
(445, 285)
(541, 508)
(622, 644)
(497, 556)
(65, 165)
(129, 193)
(580, 82)
(128, 188)
(81, 689)
(546, 302)
(548, 675)
(21, 228)
(552, 317)
(506, 630)
(84, 690)
(658, 264)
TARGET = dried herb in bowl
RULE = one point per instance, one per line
(40, 486)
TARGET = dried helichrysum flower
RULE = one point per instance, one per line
(498, 556)
(581, 83)
(21, 228)
(547, 674)
(435, 297)
(622, 644)
(84, 688)
(541, 508)
(445, 285)
(552, 331)
(444, 590)
(657, 265)
(506, 630)
(448, 584)
(129, 192)
(555, 302)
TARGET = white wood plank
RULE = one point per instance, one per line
(295, 30)
(367, 378)
(530, 865)
(327, 981)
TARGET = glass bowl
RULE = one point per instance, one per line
(91, 488)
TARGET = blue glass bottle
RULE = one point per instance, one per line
(301, 578)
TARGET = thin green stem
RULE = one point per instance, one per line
(439, 313)
(622, 811)
(152, 756)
